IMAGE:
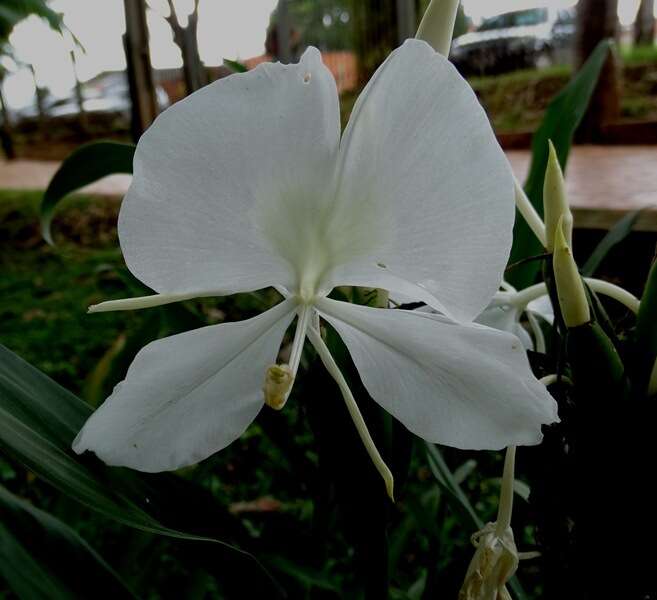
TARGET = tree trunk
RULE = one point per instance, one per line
(377, 33)
(185, 38)
(6, 139)
(406, 20)
(644, 26)
(79, 97)
(596, 21)
(283, 33)
(140, 73)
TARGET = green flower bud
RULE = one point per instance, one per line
(437, 25)
(555, 201)
(570, 289)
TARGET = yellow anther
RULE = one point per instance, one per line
(278, 383)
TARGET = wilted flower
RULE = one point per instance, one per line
(496, 557)
(246, 184)
(494, 563)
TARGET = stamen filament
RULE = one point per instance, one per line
(527, 210)
(303, 322)
(148, 301)
(332, 367)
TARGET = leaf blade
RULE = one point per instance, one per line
(87, 164)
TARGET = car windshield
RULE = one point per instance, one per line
(521, 18)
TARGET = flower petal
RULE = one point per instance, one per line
(466, 386)
(542, 307)
(505, 317)
(215, 167)
(187, 396)
(420, 161)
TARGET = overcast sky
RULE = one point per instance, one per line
(227, 28)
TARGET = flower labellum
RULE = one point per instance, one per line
(246, 184)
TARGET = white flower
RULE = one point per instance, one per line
(246, 184)
(505, 312)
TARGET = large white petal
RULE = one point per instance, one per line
(466, 386)
(230, 174)
(421, 165)
(187, 396)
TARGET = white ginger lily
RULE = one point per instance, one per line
(246, 184)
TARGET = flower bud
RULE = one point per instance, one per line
(570, 289)
(278, 383)
(437, 25)
(555, 201)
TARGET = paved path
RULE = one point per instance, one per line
(36, 174)
(604, 182)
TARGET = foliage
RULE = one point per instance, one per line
(638, 54)
(14, 11)
(325, 24)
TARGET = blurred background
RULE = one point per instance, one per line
(84, 81)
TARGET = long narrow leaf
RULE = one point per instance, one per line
(38, 422)
(614, 236)
(42, 557)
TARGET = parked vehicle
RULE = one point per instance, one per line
(536, 37)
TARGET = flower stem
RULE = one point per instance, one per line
(505, 507)
(529, 213)
(356, 416)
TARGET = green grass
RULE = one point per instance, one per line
(520, 77)
(45, 291)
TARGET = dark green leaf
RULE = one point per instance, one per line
(309, 577)
(38, 422)
(87, 164)
(450, 486)
(614, 236)
(41, 557)
(14, 11)
(561, 119)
